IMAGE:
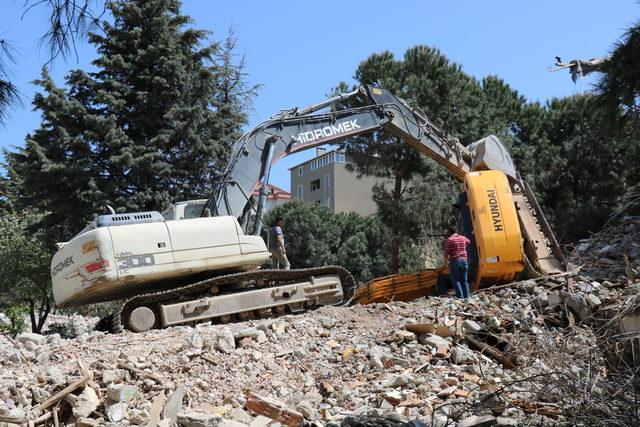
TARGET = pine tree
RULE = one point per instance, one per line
(153, 123)
(415, 196)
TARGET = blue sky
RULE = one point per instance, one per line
(299, 50)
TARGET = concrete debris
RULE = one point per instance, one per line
(197, 419)
(518, 355)
(117, 412)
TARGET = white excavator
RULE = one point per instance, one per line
(200, 260)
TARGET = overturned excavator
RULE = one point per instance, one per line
(199, 260)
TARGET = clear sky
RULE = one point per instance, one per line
(300, 49)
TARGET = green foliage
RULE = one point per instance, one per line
(15, 314)
(317, 236)
(576, 165)
(24, 271)
(619, 86)
(460, 105)
(153, 123)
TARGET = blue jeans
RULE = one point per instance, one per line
(458, 268)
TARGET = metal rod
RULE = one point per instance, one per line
(320, 105)
(264, 189)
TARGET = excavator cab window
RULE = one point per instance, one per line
(193, 210)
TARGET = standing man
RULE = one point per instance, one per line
(455, 251)
(276, 245)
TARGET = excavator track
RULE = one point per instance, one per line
(192, 293)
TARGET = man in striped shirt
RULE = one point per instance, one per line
(455, 251)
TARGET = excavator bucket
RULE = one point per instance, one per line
(398, 287)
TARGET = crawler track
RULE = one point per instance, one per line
(258, 279)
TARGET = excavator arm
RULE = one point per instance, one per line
(337, 119)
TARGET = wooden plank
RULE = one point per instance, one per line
(62, 393)
(140, 372)
(275, 410)
(156, 409)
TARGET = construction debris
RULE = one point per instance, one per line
(550, 351)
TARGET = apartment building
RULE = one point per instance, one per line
(276, 196)
(325, 179)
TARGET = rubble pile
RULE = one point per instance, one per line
(612, 254)
(527, 354)
(550, 351)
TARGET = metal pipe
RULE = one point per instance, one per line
(264, 189)
(320, 105)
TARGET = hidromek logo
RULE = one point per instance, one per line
(495, 210)
(327, 131)
(62, 265)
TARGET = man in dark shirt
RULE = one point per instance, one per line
(276, 245)
(455, 251)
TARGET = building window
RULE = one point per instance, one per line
(315, 184)
(300, 190)
(326, 180)
(300, 171)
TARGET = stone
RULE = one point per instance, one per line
(43, 357)
(477, 421)
(397, 380)
(433, 341)
(504, 421)
(462, 355)
(251, 332)
(197, 419)
(461, 393)
(25, 337)
(85, 403)
(117, 412)
(376, 353)
(225, 341)
(328, 322)
(121, 392)
(405, 336)
(347, 353)
(260, 421)
(55, 375)
(578, 304)
(452, 380)
(230, 423)
(39, 394)
(53, 339)
(554, 300)
(195, 341)
(332, 344)
(606, 249)
(115, 376)
(174, 404)
(393, 397)
(87, 422)
(30, 346)
(442, 352)
(447, 392)
(240, 415)
(471, 327)
(307, 410)
(593, 301)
